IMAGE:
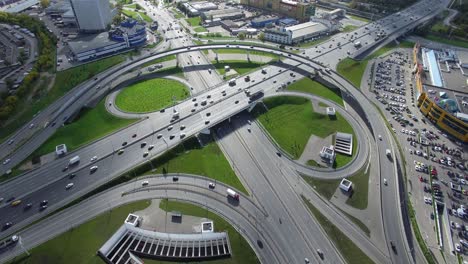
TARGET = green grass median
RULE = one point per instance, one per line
(151, 95)
(91, 124)
(190, 157)
(350, 252)
(291, 121)
(241, 67)
(307, 85)
(241, 250)
(80, 244)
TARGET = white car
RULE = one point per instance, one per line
(6, 161)
(31, 125)
(427, 200)
(144, 183)
(458, 247)
(94, 158)
(69, 186)
(93, 168)
(211, 185)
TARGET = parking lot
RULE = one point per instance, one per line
(435, 163)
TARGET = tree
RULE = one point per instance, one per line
(241, 36)
(261, 37)
(45, 3)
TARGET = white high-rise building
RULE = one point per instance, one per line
(92, 15)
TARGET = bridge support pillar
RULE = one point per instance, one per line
(251, 107)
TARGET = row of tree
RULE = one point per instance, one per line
(44, 62)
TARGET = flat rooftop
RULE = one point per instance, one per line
(305, 29)
(89, 42)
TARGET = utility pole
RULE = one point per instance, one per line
(22, 247)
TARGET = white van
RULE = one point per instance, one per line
(75, 160)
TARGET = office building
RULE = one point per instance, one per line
(296, 9)
(92, 15)
(296, 34)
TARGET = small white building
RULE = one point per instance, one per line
(328, 154)
(133, 220)
(346, 185)
(331, 111)
(207, 227)
(61, 150)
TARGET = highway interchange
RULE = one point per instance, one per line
(48, 181)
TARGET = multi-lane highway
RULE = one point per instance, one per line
(48, 182)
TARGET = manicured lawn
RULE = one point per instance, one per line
(327, 188)
(80, 244)
(453, 42)
(242, 253)
(291, 121)
(359, 198)
(350, 252)
(177, 14)
(190, 157)
(240, 51)
(137, 15)
(151, 95)
(313, 43)
(91, 125)
(349, 28)
(194, 21)
(163, 59)
(200, 29)
(240, 67)
(308, 85)
(64, 81)
(359, 18)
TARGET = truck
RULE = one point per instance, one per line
(255, 96)
(232, 194)
(9, 242)
(357, 44)
(73, 161)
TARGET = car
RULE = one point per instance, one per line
(7, 225)
(44, 202)
(146, 153)
(124, 143)
(65, 168)
(211, 185)
(175, 179)
(43, 207)
(94, 158)
(120, 152)
(93, 169)
(207, 122)
(306, 260)
(29, 205)
(169, 128)
(143, 144)
(144, 183)
(134, 135)
(159, 136)
(171, 136)
(182, 127)
(385, 181)
(6, 161)
(150, 147)
(69, 186)
(458, 247)
(320, 253)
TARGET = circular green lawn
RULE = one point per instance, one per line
(150, 95)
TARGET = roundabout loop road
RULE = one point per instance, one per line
(112, 107)
(361, 152)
